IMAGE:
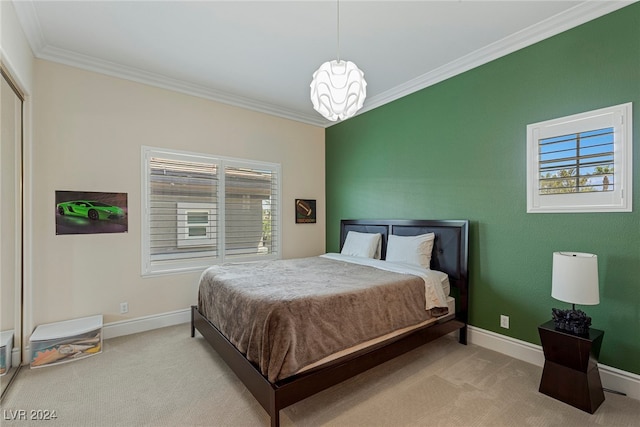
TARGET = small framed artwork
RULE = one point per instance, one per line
(89, 212)
(305, 211)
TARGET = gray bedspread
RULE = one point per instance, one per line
(286, 314)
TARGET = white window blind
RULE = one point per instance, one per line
(199, 210)
(250, 210)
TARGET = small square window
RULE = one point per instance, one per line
(196, 226)
(581, 163)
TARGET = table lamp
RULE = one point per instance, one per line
(574, 280)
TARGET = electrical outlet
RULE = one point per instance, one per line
(504, 321)
(124, 307)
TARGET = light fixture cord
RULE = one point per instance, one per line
(338, 29)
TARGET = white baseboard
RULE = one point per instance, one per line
(612, 378)
(147, 323)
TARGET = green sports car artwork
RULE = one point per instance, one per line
(90, 209)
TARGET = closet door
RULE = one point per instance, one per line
(10, 228)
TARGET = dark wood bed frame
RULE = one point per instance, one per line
(450, 254)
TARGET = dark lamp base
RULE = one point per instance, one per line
(572, 321)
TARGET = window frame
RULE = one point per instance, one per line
(184, 263)
(618, 117)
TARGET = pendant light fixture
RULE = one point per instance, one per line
(338, 88)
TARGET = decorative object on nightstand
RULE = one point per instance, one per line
(571, 348)
(574, 280)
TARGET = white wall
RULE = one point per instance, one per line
(88, 130)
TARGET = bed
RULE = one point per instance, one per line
(302, 376)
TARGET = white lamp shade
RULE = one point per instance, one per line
(338, 90)
(575, 278)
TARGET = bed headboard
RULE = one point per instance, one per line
(450, 248)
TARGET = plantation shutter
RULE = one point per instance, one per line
(182, 210)
(199, 210)
(582, 162)
(251, 210)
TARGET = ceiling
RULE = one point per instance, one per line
(261, 55)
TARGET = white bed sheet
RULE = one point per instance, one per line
(435, 295)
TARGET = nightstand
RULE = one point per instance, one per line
(571, 367)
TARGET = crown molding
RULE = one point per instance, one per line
(113, 69)
(28, 18)
(580, 14)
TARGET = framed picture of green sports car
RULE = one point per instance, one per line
(89, 212)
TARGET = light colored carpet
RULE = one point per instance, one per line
(166, 378)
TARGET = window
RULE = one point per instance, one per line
(196, 224)
(581, 163)
(200, 210)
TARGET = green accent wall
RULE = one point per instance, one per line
(456, 150)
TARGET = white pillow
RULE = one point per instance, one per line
(414, 250)
(365, 245)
